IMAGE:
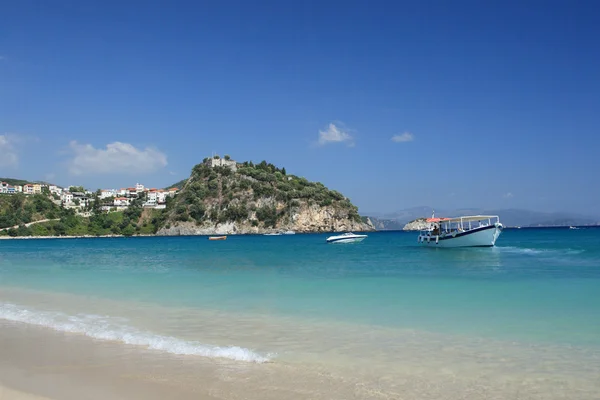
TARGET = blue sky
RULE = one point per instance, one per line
(489, 104)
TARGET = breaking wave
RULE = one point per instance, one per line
(107, 328)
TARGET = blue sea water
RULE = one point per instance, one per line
(267, 297)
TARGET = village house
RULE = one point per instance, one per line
(28, 188)
(152, 197)
(121, 202)
(106, 193)
(4, 187)
(67, 198)
(161, 196)
(55, 189)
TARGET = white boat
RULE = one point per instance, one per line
(467, 231)
(347, 237)
(573, 227)
(289, 233)
(273, 234)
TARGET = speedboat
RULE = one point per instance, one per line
(467, 231)
(347, 237)
(272, 234)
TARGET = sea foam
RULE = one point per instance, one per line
(109, 328)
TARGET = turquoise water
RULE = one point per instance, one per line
(537, 287)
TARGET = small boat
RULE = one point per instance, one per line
(347, 237)
(217, 237)
(573, 227)
(289, 233)
(273, 234)
(466, 231)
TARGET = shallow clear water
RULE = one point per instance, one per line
(297, 298)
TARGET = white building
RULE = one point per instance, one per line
(161, 196)
(106, 193)
(139, 188)
(121, 201)
(152, 197)
(67, 197)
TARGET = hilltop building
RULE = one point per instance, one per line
(215, 161)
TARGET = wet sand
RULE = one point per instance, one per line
(37, 362)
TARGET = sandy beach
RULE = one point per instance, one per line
(38, 363)
(10, 394)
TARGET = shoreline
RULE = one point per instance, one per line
(70, 237)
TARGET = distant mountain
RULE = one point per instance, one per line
(382, 224)
(509, 217)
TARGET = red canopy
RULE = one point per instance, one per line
(437, 219)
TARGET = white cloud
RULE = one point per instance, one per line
(8, 152)
(403, 137)
(335, 134)
(118, 157)
(508, 195)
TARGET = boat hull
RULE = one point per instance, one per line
(217, 238)
(346, 240)
(479, 237)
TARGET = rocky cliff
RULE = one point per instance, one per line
(257, 199)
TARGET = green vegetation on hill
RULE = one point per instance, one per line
(178, 185)
(262, 194)
(18, 210)
(14, 182)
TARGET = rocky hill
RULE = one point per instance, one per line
(416, 225)
(248, 198)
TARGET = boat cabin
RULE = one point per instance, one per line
(444, 226)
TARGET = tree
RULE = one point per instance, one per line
(227, 157)
(96, 203)
(283, 171)
(74, 189)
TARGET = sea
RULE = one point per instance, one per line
(385, 317)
